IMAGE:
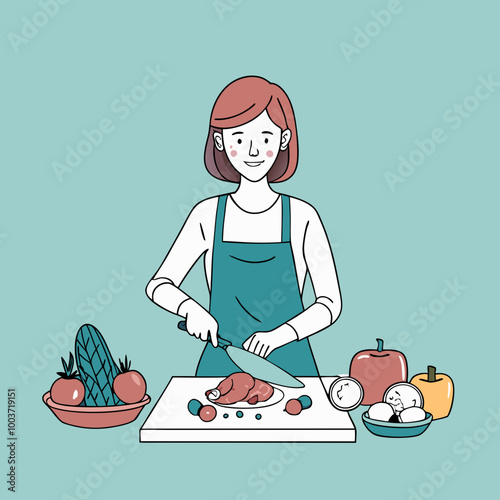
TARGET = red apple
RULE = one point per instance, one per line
(376, 370)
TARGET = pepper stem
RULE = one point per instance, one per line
(431, 373)
(380, 345)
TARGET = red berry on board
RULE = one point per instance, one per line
(293, 407)
(207, 413)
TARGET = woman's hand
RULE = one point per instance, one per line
(199, 322)
(264, 343)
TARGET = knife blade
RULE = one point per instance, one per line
(253, 364)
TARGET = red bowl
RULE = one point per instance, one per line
(96, 417)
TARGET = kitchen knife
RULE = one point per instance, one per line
(253, 364)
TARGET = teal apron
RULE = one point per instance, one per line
(254, 288)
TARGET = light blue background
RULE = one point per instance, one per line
(122, 207)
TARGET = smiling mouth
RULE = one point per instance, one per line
(254, 163)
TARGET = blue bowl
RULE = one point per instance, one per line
(396, 430)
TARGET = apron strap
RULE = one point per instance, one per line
(219, 219)
(285, 218)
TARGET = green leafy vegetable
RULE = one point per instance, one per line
(96, 366)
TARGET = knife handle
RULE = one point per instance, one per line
(220, 341)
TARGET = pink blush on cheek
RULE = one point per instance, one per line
(269, 153)
(233, 153)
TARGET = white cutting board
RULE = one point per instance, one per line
(170, 420)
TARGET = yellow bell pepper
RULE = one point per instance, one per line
(437, 389)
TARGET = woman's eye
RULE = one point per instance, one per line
(239, 141)
(266, 140)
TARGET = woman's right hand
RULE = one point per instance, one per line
(199, 322)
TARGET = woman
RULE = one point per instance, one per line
(257, 244)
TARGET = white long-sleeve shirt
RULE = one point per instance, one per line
(310, 248)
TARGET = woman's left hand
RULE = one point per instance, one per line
(264, 343)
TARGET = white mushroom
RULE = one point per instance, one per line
(381, 411)
(413, 414)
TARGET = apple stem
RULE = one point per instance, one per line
(431, 373)
(380, 345)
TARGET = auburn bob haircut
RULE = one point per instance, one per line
(240, 102)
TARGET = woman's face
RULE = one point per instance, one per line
(252, 148)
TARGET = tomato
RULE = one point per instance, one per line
(130, 386)
(207, 413)
(67, 391)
